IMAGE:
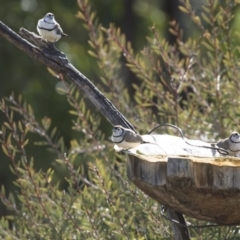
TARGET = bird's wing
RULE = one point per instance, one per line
(223, 144)
(134, 138)
(59, 30)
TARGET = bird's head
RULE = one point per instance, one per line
(118, 131)
(235, 137)
(49, 18)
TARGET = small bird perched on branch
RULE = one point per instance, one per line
(49, 29)
(125, 138)
(231, 144)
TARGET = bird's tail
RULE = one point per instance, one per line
(65, 35)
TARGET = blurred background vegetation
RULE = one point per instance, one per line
(181, 67)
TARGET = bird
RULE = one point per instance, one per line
(49, 29)
(125, 138)
(230, 144)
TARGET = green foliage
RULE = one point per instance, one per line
(84, 193)
(95, 203)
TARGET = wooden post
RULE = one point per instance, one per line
(180, 232)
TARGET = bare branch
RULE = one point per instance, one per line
(46, 53)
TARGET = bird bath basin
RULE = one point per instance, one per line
(195, 181)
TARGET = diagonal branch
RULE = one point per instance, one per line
(46, 53)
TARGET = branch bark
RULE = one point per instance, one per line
(46, 53)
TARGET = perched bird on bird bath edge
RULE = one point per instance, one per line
(231, 144)
(49, 29)
(125, 138)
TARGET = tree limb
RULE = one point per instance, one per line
(46, 53)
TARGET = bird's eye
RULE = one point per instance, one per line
(117, 129)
